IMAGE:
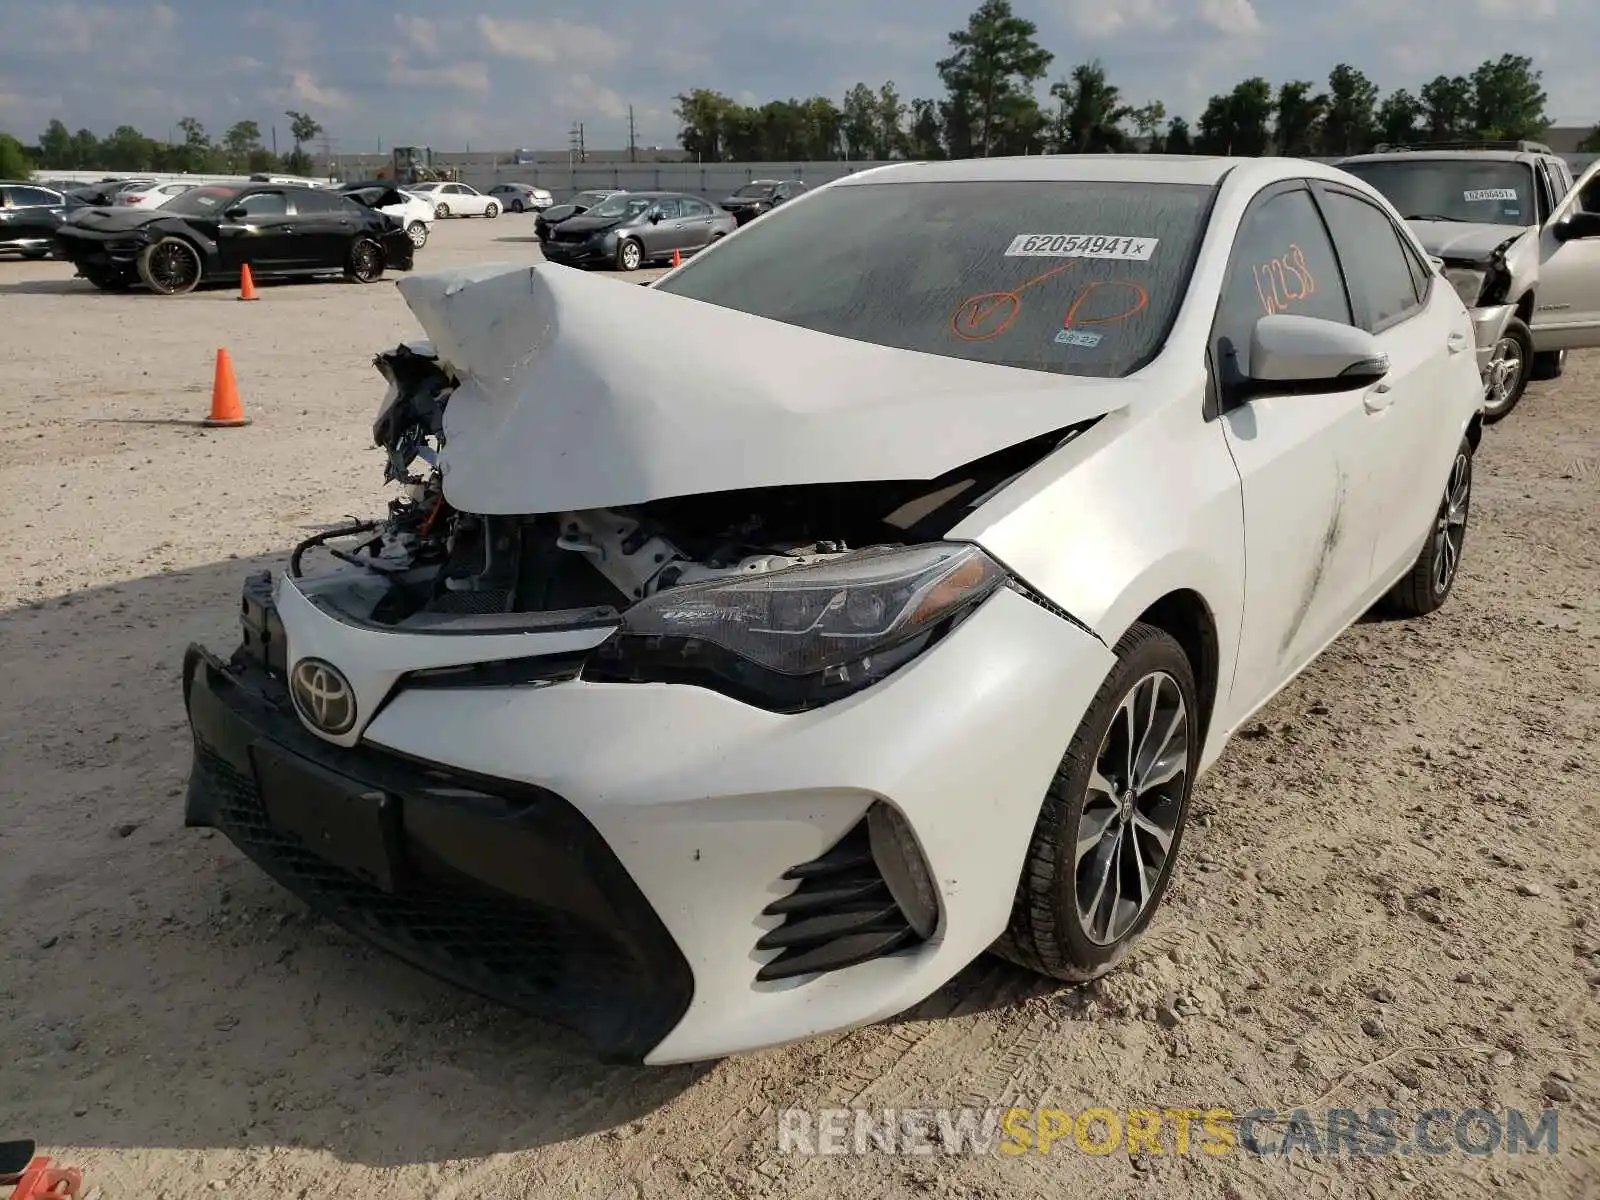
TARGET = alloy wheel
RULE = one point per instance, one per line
(1506, 366)
(366, 261)
(1132, 809)
(418, 233)
(1451, 529)
(174, 267)
(631, 257)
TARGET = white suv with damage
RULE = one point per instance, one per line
(1507, 223)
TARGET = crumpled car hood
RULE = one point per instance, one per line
(1452, 239)
(577, 392)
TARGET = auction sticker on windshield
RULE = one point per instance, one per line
(1490, 194)
(1081, 245)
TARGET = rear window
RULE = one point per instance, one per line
(201, 201)
(1071, 278)
(1485, 192)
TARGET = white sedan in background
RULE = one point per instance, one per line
(457, 200)
(414, 212)
(151, 195)
(922, 544)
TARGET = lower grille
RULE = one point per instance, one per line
(841, 913)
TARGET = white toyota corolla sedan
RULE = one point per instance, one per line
(744, 654)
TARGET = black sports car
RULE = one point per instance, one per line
(761, 196)
(211, 233)
(544, 222)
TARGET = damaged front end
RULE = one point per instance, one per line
(1484, 283)
(785, 597)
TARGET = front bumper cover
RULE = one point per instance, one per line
(1487, 325)
(503, 889)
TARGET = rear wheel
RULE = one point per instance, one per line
(170, 267)
(1507, 375)
(630, 256)
(516, 206)
(492, 210)
(417, 231)
(1112, 821)
(1432, 577)
(1551, 364)
(442, 211)
(365, 262)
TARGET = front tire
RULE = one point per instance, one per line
(35, 255)
(1550, 364)
(1509, 369)
(492, 210)
(417, 231)
(365, 262)
(1112, 821)
(630, 256)
(1432, 577)
(441, 211)
(170, 267)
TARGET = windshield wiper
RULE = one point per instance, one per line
(1433, 217)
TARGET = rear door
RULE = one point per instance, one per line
(262, 236)
(1418, 321)
(324, 228)
(1566, 313)
(697, 216)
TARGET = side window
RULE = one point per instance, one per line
(310, 202)
(696, 208)
(349, 207)
(24, 196)
(1545, 202)
(1376, 263)
(264, 204)
(1282, 263)
(669, 210)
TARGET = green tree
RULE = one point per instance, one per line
(822, 122)
(1238, 122)
(1297, 117)
(1149, 120)
(85, 150)
(1179, 140)
(126, 149)
(1508, 99)
(1349, 126)
(302, 129)
(14, 160)
(890, 139)
(194, 154)
(55, 148)
(242, 137)
(1591, 143)
(990, 73)
(1447, 104)
(858, 124)
(1398, 118)
(926, 135)
(703, 117)
(1089, 113)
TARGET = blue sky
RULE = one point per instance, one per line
(492, 74)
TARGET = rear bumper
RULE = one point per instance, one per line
(501, 888)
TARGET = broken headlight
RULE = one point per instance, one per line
(804, 636)
(1468, 283)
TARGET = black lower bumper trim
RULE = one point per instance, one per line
(505, 890)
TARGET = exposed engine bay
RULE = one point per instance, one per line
(430, 565)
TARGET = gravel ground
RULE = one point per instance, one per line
(1390, 898)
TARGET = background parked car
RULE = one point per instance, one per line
(544, 222)
(634, 228)
(209, 233)
(761, 196)
(29, 217)
(415, 213)
(521, 197)
(107, 190)
(457, 200)
(151, 196)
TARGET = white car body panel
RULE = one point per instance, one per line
(461, 199)
(414, 209)
(556, 413)
(1287, 516)
(1566, 314)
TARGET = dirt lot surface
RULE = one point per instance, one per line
(1390, 899)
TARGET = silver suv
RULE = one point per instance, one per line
(1511, 232)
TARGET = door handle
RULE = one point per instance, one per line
(1456, 342)
(1379, 397)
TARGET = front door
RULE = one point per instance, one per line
(1566, 313)
(666, 235)
(1304, 462)
(696, 225)
(262, 236)
(1414, 315)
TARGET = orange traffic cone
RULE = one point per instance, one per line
(247, 285)
(677, 258)
(226, 409)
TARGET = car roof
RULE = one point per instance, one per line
(1191, 169)
(1522, 156)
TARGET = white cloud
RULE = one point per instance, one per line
(1231, 16)
(1096, 19)
(554, 42)
(304, 90)
(461, 76)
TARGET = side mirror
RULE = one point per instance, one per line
(237, 211)
(1577, 226)
(1292, 355)
(655, 218)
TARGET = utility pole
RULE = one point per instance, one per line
(633, 137)
(575, 145)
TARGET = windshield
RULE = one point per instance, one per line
(756, 189)
(621, 206)
(588, 199)
(1072, 278)
(1441, 189)
(200, 201)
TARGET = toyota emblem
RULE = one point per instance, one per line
(322, 696)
